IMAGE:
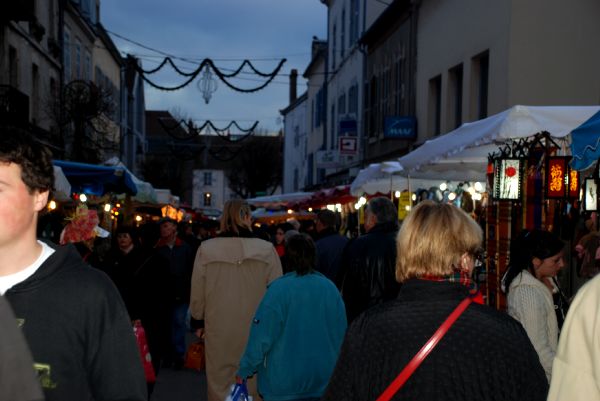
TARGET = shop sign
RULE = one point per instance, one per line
(400, 127)
(348, 145)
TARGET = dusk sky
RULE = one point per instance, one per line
(226, 31)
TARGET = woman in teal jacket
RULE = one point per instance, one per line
(297, 331)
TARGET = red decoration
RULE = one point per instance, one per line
(510, 171)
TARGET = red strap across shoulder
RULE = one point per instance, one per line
(414, 363)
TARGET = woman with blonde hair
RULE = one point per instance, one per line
(483, 355)
(231, 274)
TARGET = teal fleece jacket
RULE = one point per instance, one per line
(295, 337)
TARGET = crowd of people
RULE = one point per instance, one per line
(295, 314)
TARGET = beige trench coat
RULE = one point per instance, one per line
(230, 277)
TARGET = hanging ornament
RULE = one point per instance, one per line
(207, 84)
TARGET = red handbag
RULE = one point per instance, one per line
(194, 356)
(140, 336)
(414, 363)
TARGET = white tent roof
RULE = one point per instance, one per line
(516, 122)
(462, 154)
(145, 190)
(272, 201)
(62, 187)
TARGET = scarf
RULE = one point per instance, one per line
(459, 277)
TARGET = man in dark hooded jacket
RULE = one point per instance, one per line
(368, 271)
(330, 244)
(72, 316)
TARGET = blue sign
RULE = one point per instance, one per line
(400, 127)
(348, 127)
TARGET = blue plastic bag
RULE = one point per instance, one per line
(239, 392)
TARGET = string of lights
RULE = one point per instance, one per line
(176, 130)
(209, 64)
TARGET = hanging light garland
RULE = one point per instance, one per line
(208, 65)
(192, 131)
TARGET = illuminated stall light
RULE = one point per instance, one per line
(590, 195)
(556, 178)
(574, 184)
(52, 205)
(508, 174)
(107, 207)
(83, 198)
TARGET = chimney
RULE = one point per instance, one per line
(293, 81)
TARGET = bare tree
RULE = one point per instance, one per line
(82, 114)
(257, 167)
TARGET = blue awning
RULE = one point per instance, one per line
(97, 180)
(584, 143)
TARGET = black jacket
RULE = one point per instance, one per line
(17, 377)
(485, 355)
(367, 274)
(78, 331)
(330, 246)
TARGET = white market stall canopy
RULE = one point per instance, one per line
(278, 200)
(145, 190)
(462, 154)
(514, 123)
(62, 187)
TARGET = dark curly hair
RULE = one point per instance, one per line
(35, 159)
(300, 254)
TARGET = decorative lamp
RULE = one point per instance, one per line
(590, 195)
(573, 189)
(556, 177)
(508, 174)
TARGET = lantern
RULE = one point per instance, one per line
(556, 177)
(508, 174)
(590, 195)
(573, 184)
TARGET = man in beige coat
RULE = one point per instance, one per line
(231, 274)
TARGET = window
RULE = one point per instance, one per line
(208, 178)
(343, 34)
(67, 54)
(13, 67)
(342, 104)
(207, 198)
(455, 96)
(77, 59)
(87, 71)
(332, 135)
(435, 105)
(333, 47)
(353, 21)
(480, 78)
(399, 83)
(35, 93)
(353, 99)
(296, 183)
(296, 136)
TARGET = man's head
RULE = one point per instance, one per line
(26, 178)
(34, 159)
(378, 211)
(325, 219)
(168, 228)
